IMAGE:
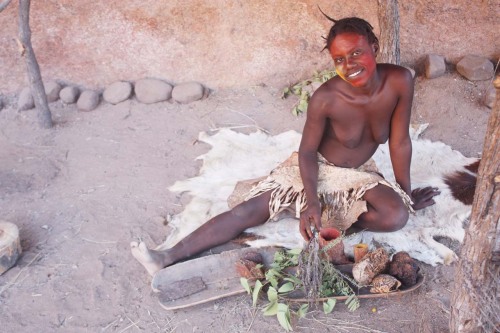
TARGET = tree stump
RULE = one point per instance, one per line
(10, 245)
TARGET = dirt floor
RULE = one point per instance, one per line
(80, 192)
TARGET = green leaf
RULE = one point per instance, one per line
(293, 279)
(271, 272)
(352, 303)
(271, 309)
(327, 292)
(303, 310)
(296, 90)
(272, 294)
(272, 275)
(278, 256)
(256, 291)
(329, 305)
(285, 93)
(274, 282)
(287, 287)
(302, 107)
(295, 252)
(284, 316)
(244, 283)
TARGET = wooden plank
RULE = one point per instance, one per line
(217, 272)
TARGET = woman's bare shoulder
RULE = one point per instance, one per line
(326, 94)
(333, 86)
(397, 77)
(392, 71)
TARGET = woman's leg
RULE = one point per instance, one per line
(216, 231)
(386, 210)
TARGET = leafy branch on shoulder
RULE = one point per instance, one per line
(306, 88)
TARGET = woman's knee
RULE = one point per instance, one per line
(396, 218)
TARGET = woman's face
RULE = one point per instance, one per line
(354, 58)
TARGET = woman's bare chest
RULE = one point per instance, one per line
(354, 125)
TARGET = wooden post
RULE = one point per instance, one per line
(35, 78)
(475, 303)
(388, 20)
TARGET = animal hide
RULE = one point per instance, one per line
(235, 156)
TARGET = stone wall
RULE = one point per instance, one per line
(222, 43)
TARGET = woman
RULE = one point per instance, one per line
(331, 179)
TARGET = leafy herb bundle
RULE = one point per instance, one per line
(289, 273)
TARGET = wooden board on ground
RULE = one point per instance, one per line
(213, 277)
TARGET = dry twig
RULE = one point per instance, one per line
(13, 281)
(254, 314)
(131, 325)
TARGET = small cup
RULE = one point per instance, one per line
(334, 254)
(360, 250)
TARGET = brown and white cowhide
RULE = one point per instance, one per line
(235, 156)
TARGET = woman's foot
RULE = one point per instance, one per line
(152, 260)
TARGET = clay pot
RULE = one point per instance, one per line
(334, 254)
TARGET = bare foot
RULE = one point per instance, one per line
(152, 260)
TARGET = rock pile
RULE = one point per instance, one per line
(146, 91)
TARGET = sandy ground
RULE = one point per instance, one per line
(83, 190)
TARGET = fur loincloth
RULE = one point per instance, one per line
(340, 190)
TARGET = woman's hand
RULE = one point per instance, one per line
(311, 216)
(423, 197)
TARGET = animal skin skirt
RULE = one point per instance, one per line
(340, 190)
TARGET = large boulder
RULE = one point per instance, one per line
(117, 92)
(150, 91)
(475, 68)
(188, 92)
(88, 100)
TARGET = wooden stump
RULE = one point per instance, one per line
(10, 245)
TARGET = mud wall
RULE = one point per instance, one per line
(222, 43)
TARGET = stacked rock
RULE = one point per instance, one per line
(147, 91)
